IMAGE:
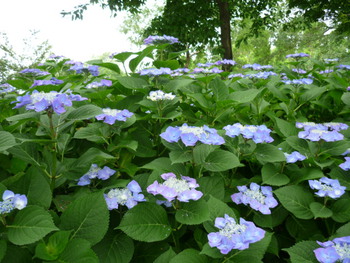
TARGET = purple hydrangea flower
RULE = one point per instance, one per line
(237, 75)
(294, 157)
(303, 81)
(316, 131)
(129, 196)
(34, 72)
(6, 88)
(258, 134)
(102, 83)
(298, 55)
(330, 60)
(40, 101)
(182, 189)
(12, 201)
(225, 62)
(337, 250)
(258, 197)
(190, 135)
(79, 68)
(261, 75)
(233, 235)
(156, 40)
(256, 66)
(327, 187)
(109, 116)
(208, 64)
(299, 70)
(160, 95)
(52, 81)
(327, 71)
(151, 72)
(345, 165)
(344, 67)
(95, 172)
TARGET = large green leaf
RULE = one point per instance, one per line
(88, 217)
(271, 176)
(212, 185)
(296, 200)
(268, 153)
(193, 212)
(320, 211)
(166, 256)
(133, 83)
(54, 247)
(189, 256)
(244, 96)
(302, 252)
(146, 222)
(220, 160)
(341, 210)
(219, 89)
(84, 112)
(78, 251)
(30, 225)
(7, 140)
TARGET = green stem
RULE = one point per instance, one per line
(54, 152)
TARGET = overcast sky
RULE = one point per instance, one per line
(79, 40)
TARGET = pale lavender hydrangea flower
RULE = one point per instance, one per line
(160, 95)
(79, 68)
(236, 75)
(233, 235)
(298, 55)
(190, 135)
(109, 116)
(303, 81)
(182, 189)
(299, 70)
(34, 72)
(12, 201)
(256, 66)
(225, 62)
(129, 196)
(294, 157)
(327, 187)
(258, 134)
(328, 131)
(6, 88)
(95, 172)
(337, 250)
(52, 81)
(101, 83)
(152, 72)
(345, 165)
(261, 75)
(259, 198)
(342, 66)
(156, 40)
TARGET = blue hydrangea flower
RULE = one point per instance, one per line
(6, 88)
(160, 95)
(52, 81)
(330, 60)
(151, 72)
(225, 62)
(172, 188)
(337, 250)
(316, 131)
(156, 40)
(294, 157)
(34, 72)
(342, 66)
(298, 55)
(40, 101)
(259, 198)
(327, 71)
(261, 75)
(79, 68)
(190, 135)
(95, 172)
(345, 165)
(327, 187)
(101, 83)
(299, 70)
(12, 201)
(237, 75)
(303, 81)
(109, 116)
(256, 66)
(233, 235)
(129, 196)
(258, 134)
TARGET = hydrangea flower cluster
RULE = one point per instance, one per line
(95, 172)
(6, 88)
(345, 165)
(337, 250)
(151, 72)
(342, 66)
(330, 60)
(256, 66)
(225, 62)
(259, 198)
(305, 81)
(52, 81)
(316, 131)
(190, 135)
(327, 71)
(34, 72)
(214, 70)
(109, 116)
(40, 101)
(236, 75)
(299, 70)
(102, 83)
(261, 75)
(258, 133)
(233, 235)
(79, 68)
(294, 157)
(298, 55)
(173, 188)
(156, 40)
(160, 95)
(12, 201)
(129, 196)
(327, 187)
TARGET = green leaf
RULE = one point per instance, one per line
(201, 152)
(271, 176)
(220, 160)
(189, 256)
(163, 164)
(301, 229)
(244, 96)
(78, 251)
(219, 89)
(341, 210)
(193, 212)
(140, 56)
(94, 132)
(84, 112)
(7, 140)
(90, 156)
(212, 185)
(212, 252)
(180, 156)
(285, 127)
(107, 65)
(298, 144)
(306, 173)
(296, 200)
(172, 64)
(320, 211)
(123, 56)
(30, 225)
(88, 217)
(166, 256)
(202, 100)
(133, 83)
(177, 84)
(312, 93)
(277, 216)
(146, 222)
(24, 116)
(17, 254)
(346, 98)
(115, 248)
(269, 153)
(303, 252)
(3, 248)
(55, 246)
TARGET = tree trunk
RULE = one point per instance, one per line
(225, 28)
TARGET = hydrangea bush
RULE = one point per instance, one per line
(173, 164)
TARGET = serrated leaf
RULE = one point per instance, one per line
(180, 156)
(88, 217)
(220, 160)
(193, 212)
(271, 176)
(7, 140)
(3, 248)
(320, 211)
(286, 128)
(84, 112)
(269, 153)
(30, 225)
(56, 244)
(132, 83)
(189, 256)
(212, 252)
(78, 251)
(212, 185)
(244, 96)
(166, 256)
(296, 200)
(302, 252)
(219, 89)
(341, 210)
(146, 222)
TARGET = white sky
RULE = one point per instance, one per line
(79, 40)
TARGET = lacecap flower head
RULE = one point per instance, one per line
(259, 198)
(258, 134)
(328, 131)
(327, 187)
(109, 116)
(160, 95)
(41, 101)
(234, 235)
(129, 196)
(156, 40)
(294, 157)
(190, 135)
(182, 189)
(95, 172)
(12, 201)
(337, 250)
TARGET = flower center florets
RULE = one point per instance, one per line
(111, 112)
(232, 228)
(195, 130)
(6, 206)
(178, 185)
(257, 195)
(121, 195)
(36, 97)
(343, 250)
